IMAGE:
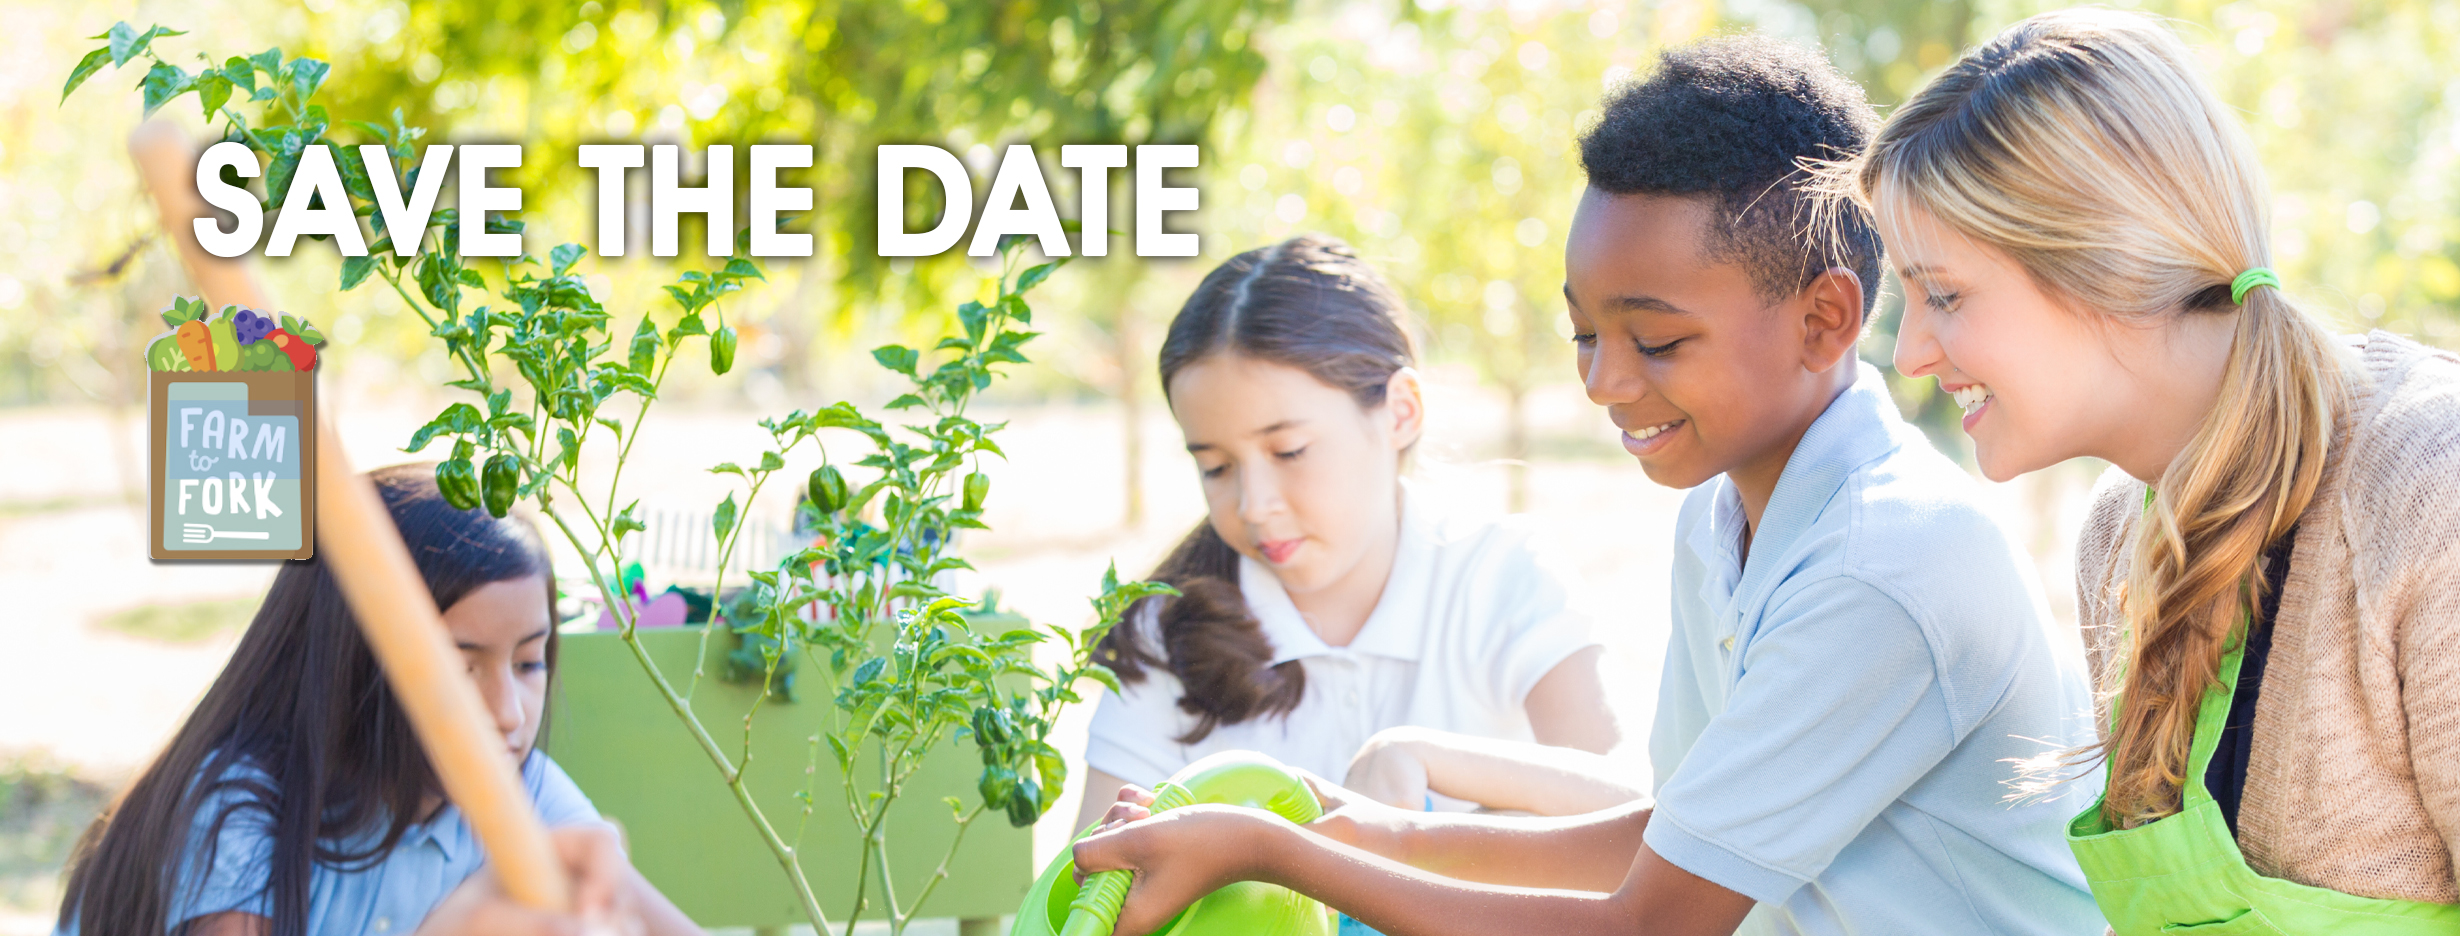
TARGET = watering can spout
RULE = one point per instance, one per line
(1238, 778)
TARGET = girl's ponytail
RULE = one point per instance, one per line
(1209, 641)
(1308, 303)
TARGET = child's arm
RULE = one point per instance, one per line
(1186, 853)
(1398, 766)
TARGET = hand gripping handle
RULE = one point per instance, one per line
(1239, 778)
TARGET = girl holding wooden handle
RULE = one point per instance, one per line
(297, 800)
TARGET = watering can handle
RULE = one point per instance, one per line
(1096, 907)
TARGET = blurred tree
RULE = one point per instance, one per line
(846, 76)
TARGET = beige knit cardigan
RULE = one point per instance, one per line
(2353, 782)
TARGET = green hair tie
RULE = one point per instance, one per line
(2258, 276)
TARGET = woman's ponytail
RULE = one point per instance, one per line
(2083, 145)
(2240, 485)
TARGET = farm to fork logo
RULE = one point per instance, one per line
(232, 443)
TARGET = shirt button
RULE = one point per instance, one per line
(1727, 643)
(384, 924)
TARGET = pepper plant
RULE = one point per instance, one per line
(869, 607)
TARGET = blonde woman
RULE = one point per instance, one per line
(2083, 231)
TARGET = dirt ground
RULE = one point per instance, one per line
(107, 650)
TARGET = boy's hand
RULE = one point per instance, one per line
(1178, 857)
(593, 857)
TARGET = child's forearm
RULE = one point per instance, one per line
(1653, 897)
(1588, 852)
(1536, 778)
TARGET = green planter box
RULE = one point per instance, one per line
(638, 763)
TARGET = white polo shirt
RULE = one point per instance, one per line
(1470, 619)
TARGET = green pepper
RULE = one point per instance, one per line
(502, 478)
(1024, 804)
(722, 349)
(998, 783)
(827, 490)
(458, 482)
(977, 487)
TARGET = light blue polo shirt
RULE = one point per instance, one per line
(1839, 714)
(390, 896)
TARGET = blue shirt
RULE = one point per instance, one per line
(390, 896)
(1838, 716)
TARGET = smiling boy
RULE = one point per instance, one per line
(1858, 652)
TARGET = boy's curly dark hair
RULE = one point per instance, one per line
(1735, 119)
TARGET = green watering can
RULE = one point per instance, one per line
(1058, 907)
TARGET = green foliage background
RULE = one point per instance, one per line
(1436, 135)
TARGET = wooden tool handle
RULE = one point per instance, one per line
(355, 537)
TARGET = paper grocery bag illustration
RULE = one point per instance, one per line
(231, 440)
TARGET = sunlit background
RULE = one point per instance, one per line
(1436, 136)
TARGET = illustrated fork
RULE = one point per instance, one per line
(202, 533)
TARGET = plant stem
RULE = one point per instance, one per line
(941, 874)
(785, 854)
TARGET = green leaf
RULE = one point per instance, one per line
(1034, 276)
(93, 62)
(564, 256)
(896, 357)
(241, 73)
(771, 461)
(306, 75)
(1102, 674)
(123, 42)
(164, 82)
(212, 90)
(644, 352)
(727, 468)
(356, 269)
(457, 418)
(741, 268)
(724, 520)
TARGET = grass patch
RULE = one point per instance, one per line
(43, 809)
(186, 622)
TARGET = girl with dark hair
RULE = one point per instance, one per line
(296, 800)
(1323, 600)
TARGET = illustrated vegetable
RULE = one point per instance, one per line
(263, 356)
(226, 344)
(302, 354)
(499, 482)
(163, 354)
(196, 343)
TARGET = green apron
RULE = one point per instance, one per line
(2182, 873)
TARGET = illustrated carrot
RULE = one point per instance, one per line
(197, 343)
